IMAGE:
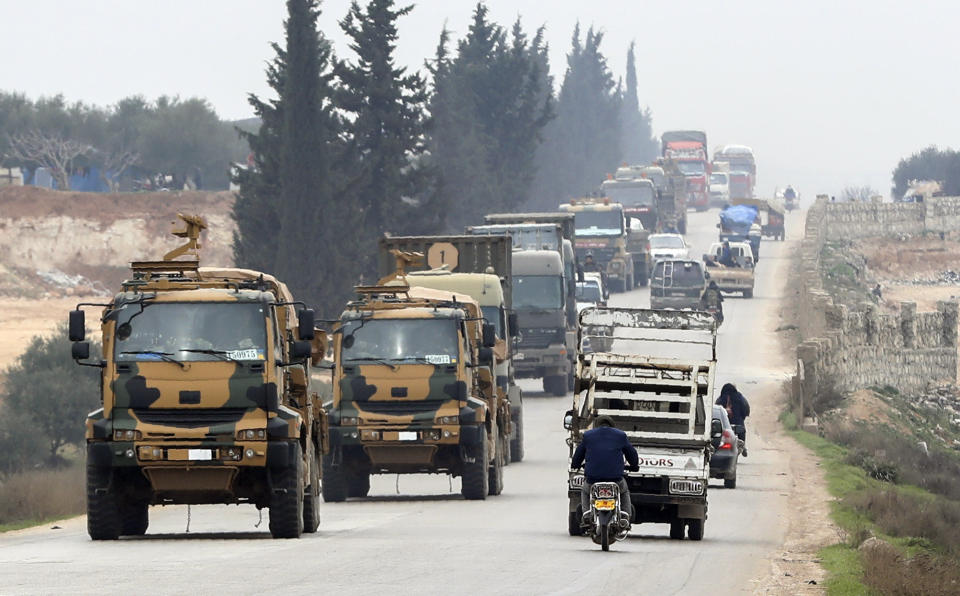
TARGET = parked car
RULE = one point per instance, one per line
(723, 461)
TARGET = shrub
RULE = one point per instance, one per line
(46, 386)
(924, 574)
(903, 515)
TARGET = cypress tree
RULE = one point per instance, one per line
(386, 129)
(638, 143)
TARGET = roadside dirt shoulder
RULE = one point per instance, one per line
(795, 567)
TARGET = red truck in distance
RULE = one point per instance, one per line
(688, 149)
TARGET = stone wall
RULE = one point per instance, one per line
(854, 346)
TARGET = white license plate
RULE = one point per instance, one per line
(518, 356)
(405, 435)
(200, 454)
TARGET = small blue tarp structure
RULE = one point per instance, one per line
(738, 219)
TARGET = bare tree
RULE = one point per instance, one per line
(50, 151)
(115, 163)
(859, 193)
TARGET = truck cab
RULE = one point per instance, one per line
(719, 188)
(602, 232)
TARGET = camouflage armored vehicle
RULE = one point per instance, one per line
(479, 267)
(206, 396)
(414, 391)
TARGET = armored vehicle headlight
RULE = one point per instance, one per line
(249, 453)
(126, 435)
(250, 433)
(448, 420)
(261, 434)
(349, 421)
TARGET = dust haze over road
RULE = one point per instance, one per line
(427, 538)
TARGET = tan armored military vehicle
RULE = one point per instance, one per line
(414, 390)
(206, 396)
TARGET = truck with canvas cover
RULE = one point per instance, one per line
(742, 165)
(736, 225)
(639, 198)
(602, 232)
(479, 267)
(657, 386)
(414, 390)
(205, 379)
(771, 210)
(688, 150)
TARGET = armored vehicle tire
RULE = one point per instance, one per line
(644, 278)
(311, 497)
(286, 500)
(358, 484)
(695, 529)
(730, 481)
(516, 444)
(475, 477)
(134, 519)
(334, 483)
(676, 530)
(748, 293)
(573, 522)
(495, 482)
(571, 376)
(103, 513)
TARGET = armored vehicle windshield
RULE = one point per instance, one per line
(433, 340)
(191, 331)
(602, 221)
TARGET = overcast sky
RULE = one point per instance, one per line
(828, 94)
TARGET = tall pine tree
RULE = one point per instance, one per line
(583, 142)
(299, 152)
(386, 108)
(638, 144)
(489, 105)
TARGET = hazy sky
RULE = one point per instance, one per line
(828, 94)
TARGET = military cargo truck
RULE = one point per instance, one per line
(414, 391)
(206, 396)
(480, 268)
(602, 232)
(657, 386)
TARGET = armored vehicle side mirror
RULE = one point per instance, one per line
(514, 322)
(301, 349)
(489, 335)
(78, 328)
(485, 355)
(80, 350)
(305, 323)
(568, 420)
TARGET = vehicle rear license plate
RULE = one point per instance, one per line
(605, 504)
(200, 454)
(407, 436)
(686, 487)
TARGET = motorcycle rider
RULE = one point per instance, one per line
(604, 448)
(712, 299)
(737, 410)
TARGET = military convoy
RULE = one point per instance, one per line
(205, 380)
(602, 232)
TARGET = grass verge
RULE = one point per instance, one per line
(916, 551)
(40, 496)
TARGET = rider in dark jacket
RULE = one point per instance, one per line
(737, 410)
(604, 448)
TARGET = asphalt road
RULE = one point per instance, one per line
(415, 534)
